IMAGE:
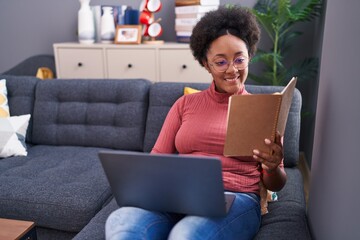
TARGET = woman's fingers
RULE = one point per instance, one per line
(272, 159)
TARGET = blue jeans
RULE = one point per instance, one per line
(242, 222)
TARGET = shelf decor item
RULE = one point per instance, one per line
(151, 27)
(107, 25)
(128, 34)
(131, 16)
(188, 13)
(86, 24)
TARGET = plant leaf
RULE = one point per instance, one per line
(265, 21)
(306, 10)
(286, 41)
(277, 17)
(305, 70)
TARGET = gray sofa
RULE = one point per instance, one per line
(60, 184)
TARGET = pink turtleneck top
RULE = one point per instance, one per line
(196, 125)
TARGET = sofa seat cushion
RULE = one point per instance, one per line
(59, 187)
(286, 219)
(96, 227)
(92, 113)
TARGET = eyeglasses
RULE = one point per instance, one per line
(240, 63)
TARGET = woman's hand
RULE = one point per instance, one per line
(269, 162)
(273, 176)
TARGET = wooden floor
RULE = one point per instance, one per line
(305, 170)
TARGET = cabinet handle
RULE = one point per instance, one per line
(129, 65)
(80, 64)
(184, 66)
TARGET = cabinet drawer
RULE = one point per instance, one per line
(179, 65)
(80, 63)
(131, 63)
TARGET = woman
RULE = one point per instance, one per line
(223, 42)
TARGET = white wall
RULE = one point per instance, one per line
(334, 208)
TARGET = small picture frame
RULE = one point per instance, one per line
(128, 34)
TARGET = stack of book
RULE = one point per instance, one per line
(188, 13)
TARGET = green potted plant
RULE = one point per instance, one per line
(278, 18)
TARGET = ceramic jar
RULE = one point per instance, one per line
(86, 24)
(107, 25)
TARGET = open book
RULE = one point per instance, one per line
(252, 118)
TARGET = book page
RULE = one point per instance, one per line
(287, 95)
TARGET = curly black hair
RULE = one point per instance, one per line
(236, 20)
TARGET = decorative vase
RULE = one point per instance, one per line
(107, 25)
(86, 24)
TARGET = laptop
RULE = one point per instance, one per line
(188, 185)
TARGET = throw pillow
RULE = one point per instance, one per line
(4, 107)
(13, 132)
(44, 73)
(189, 90)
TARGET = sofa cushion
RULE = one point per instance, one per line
(95, 229)
(163, 96)
(21, 97)
(58, 187)
(285, 221)
(93, 113)
(189, 90)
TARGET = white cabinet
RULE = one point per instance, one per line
(78, 63)
(169, 62)
(131, 63)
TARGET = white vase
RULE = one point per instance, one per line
(86, 24)
(107, 25)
